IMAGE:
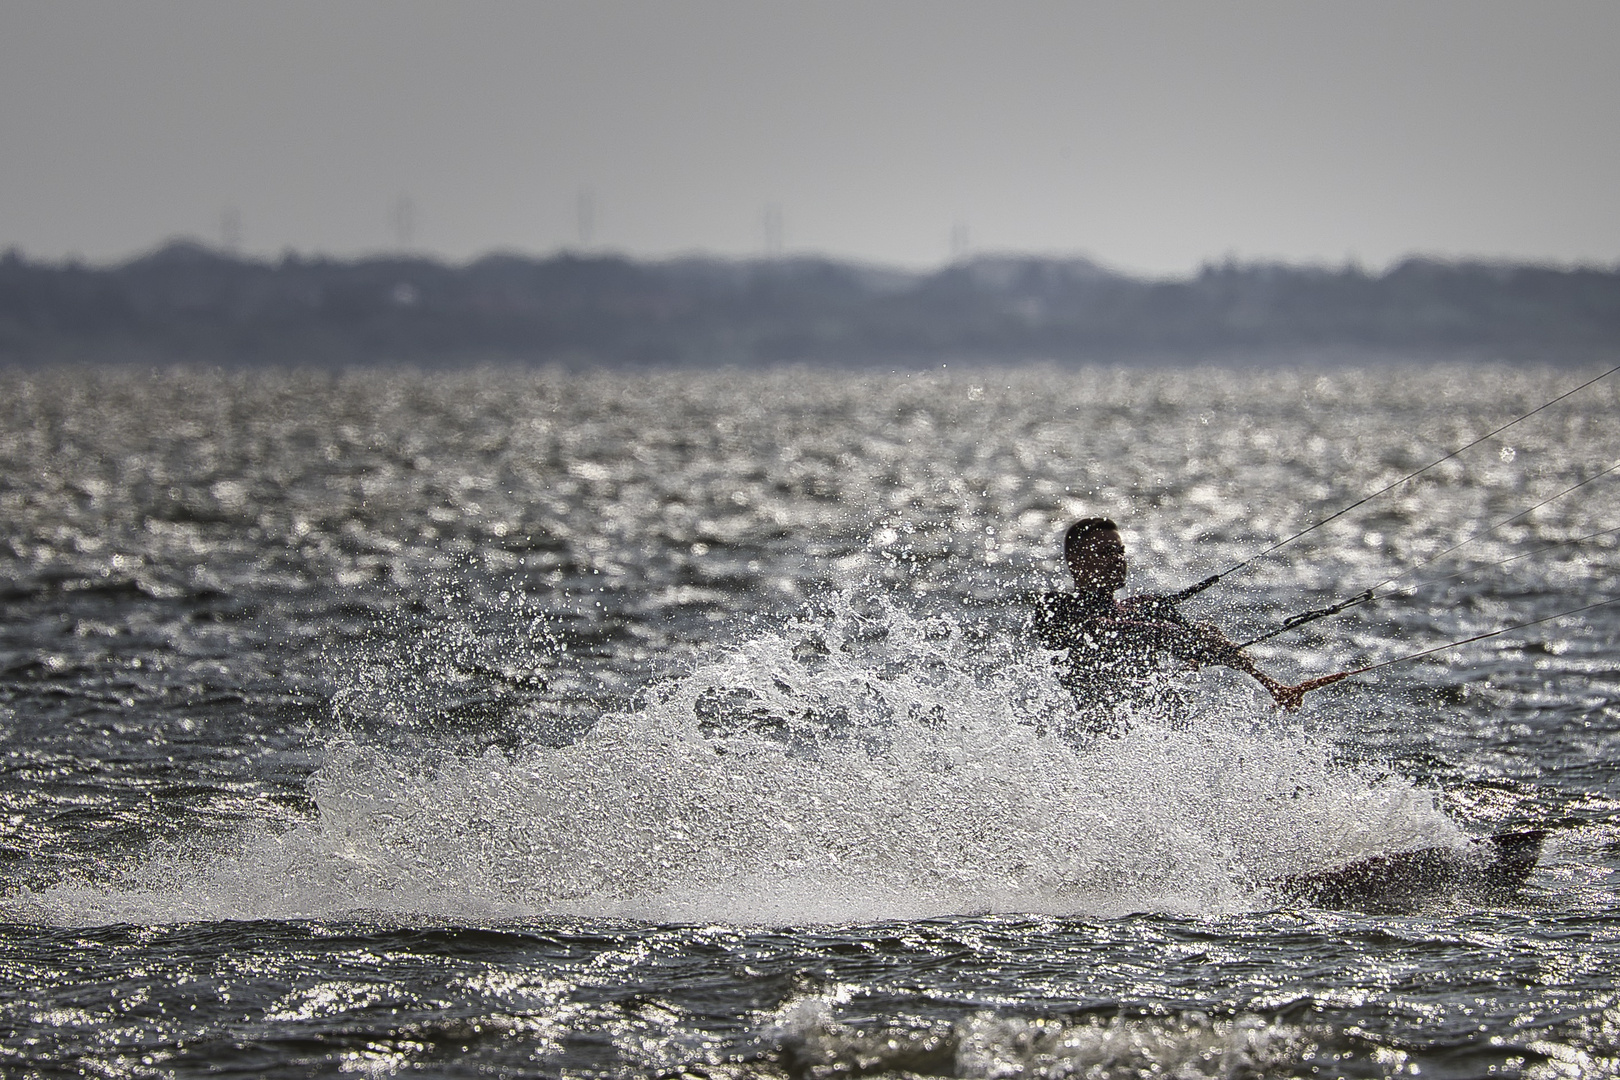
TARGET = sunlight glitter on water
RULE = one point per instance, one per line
(618, 724)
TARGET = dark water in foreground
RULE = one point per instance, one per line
(518, 723)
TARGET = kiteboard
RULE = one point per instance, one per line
(1491, 868)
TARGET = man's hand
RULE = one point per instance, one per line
(1289, 697)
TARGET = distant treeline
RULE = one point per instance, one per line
(187, 302)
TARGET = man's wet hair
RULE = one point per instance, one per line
(1083, 530)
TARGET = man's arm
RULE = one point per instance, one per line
(1210, 646)
(1200, 643)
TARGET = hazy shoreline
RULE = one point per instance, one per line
(186, 302)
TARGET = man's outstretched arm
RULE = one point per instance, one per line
(1210, 646)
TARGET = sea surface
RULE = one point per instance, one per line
(518, 722)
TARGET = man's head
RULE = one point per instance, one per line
(1096, 555)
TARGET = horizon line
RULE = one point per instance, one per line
(15, 253)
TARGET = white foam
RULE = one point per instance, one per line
(836, 769)
(988, 1045)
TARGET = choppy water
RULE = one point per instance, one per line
(518, 723)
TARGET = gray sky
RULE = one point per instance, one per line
(1150, 136)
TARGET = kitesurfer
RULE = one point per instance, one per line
(1114, 648)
